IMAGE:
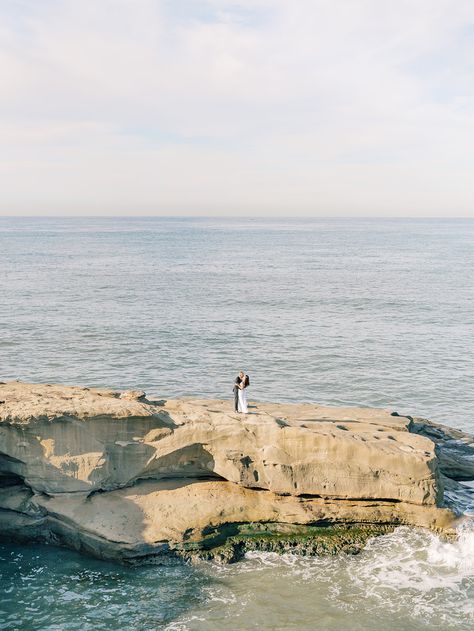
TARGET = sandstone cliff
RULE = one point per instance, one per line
(119, 476)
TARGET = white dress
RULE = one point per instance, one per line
(243, 401)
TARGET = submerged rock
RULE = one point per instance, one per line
(455, 449)
(118, 476)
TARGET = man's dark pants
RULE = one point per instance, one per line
(236, 399)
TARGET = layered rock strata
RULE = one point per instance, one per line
(119, 476)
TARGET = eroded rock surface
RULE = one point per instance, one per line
(120, 476)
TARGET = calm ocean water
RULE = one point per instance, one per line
(360, 312)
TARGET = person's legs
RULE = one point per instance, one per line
(236, 399)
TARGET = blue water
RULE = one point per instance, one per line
(360, 312)
(363, 312)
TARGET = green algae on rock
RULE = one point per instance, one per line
(232, 542)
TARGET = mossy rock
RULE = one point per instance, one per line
(230, 542)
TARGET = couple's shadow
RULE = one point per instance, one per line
(250, 407)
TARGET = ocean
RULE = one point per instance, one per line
(364, 312)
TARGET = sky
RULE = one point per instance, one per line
(252, 107)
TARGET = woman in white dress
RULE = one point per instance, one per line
(242, 386)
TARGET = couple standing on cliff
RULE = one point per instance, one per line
(241, 384)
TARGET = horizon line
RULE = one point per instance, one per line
(236, 216)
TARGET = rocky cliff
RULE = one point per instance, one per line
(119, 476)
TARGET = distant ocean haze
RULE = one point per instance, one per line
(337, 311)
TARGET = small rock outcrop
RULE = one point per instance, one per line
(119, 476)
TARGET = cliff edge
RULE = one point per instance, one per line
(119, 476)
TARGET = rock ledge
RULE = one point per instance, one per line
(119, 476)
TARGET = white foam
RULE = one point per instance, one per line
(457, 556)
(410, 568)
(420, 560)
(408, 577)
(417, 569)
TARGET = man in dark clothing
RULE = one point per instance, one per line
(236, 393)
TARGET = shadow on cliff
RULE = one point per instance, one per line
(136, 522)
(190, 461)
(53, 456)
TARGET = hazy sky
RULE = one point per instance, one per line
(306, 107)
